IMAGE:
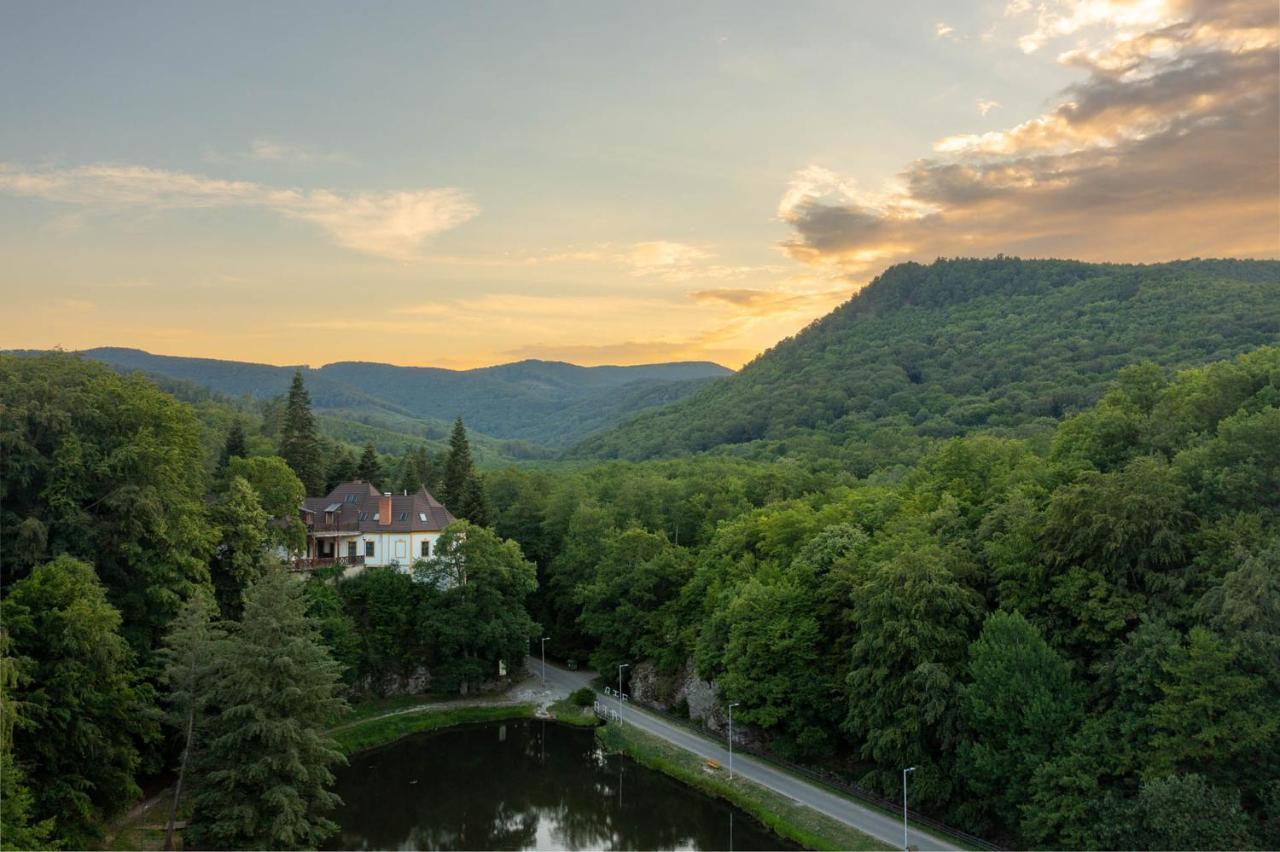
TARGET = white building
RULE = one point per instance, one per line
(357, 525)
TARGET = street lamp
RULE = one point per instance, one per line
(544, 660)
(731, 706)
(621, 666)
(905, 844)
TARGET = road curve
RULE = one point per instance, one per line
(869, 821)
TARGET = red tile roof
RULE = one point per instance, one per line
(358, 502)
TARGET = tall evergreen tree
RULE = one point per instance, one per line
(370, 469)
(266, 767)
(299, 438)
(190, 658)
(474, 505)
(234, 447)
(417, 470)
(458, 467)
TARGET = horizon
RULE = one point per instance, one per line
(438, 186)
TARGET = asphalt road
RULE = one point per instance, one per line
(867, 820)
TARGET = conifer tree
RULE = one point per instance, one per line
(417, 470)
(16, 800)
(190, 668)
(474, 505)
(266, 774)
(370, 469)
(458, 469)
(299, 439)
(234, 447)
(342, 469)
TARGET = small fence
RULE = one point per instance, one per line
(825, 779)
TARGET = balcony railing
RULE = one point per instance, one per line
(325, 562)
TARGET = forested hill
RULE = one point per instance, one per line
(546, 402)
(1003, 345)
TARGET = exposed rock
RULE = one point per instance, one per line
(415, 683)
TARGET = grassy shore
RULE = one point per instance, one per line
(368, 732)
(781, 814)
(571, 714)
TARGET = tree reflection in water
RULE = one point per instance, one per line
(526, 785)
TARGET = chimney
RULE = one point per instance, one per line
(384, 510)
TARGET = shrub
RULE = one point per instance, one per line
(583, 697)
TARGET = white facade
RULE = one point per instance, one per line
(394, 548)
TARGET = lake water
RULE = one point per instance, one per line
(526, 784)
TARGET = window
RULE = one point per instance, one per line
(351, 498)
(422, 516)
(351, 550)
(368, 550)
(404, 516)
(426, 548)
(363, 515)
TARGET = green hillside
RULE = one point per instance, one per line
(1005, 346)
(543, 402)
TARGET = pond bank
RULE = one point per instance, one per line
(782, 815)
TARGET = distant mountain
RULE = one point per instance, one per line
(545, 402)
(1003, 345)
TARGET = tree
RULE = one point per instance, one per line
(1185, 812)
(16, 800)
(1020, 702)
(241, 553)
(773, 665)
(417, 470)
(369, 468)
(474, 614)
(267, 762)
(107, 469)
(84, 706)
(913, 619)
(299, 438)
(280, 493)
(234, 446)
(458, 467)
(190, 654)
(341, 469)
(1213, 716)
(474, 505)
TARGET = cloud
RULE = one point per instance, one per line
(276, 151)
(943, 30)
(1166, 148)
(387, 224)
(985, 105)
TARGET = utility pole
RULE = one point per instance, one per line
(544, 659)
(621, 666)
(731, 706)
(905, 843)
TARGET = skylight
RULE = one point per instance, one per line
(422, 516)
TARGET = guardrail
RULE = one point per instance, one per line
(826, 779)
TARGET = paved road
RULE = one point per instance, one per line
(865, 819)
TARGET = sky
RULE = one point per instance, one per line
(470, 183)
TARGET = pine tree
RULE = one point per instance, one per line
(370, 469)
(234, 446)
(417, 470)
(299, 440)
(342, 469)
(266, 767)
(190, 657)
(458, 468)
(474, 505)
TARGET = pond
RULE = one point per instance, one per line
(526, 784)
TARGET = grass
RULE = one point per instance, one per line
(782, 815)
(569, 713)
(379, 730)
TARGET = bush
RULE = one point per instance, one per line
(583, 697)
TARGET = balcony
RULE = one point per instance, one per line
(304, 565)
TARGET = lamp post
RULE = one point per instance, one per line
(731, 706)
(905, 844)
(621, 666)
(544, 659)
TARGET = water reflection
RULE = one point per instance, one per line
(526, 785)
